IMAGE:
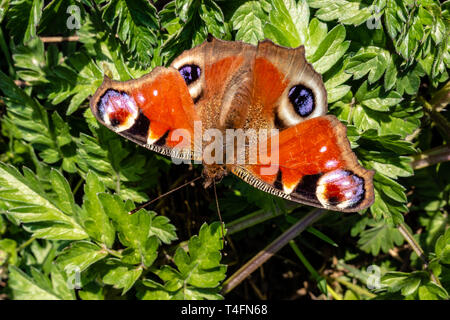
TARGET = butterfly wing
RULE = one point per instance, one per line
(285, 90)
(310, 158)
(312, 163)
(155, 111)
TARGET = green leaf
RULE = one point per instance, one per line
(116, 163)
(389, 164)
(199, 18)
(390, 77)
(432, 291)
(8, 252)
(133, 229)
(24, 16)
(61, 285)
(161, 227)
(288, 22)
(62, 189)
(95, 220)
(38, 287)
(400, 121)
(154, 291)
(199, 270)
(412, 283)
(442, 247)
(121, 276)
(330, 50)
(92, 291)
(32, 62)
(409, 81)
(29, 204)
(346, 12)
(135, 23)
(212, 16)
(4, 4)
(136, 230)
(380, 236)
(375, 99)
(371, 60)
(390, 188)
(201, 267)
(317, 32)
(29, 121)
(248, 21)
(80, 255)
(392, 142)
(406, 282)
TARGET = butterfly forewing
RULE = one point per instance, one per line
(155, 111)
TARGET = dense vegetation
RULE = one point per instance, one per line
(67, 183)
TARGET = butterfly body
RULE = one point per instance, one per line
(256, 111)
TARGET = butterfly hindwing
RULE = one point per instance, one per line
(286, 85)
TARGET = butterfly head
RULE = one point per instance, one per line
(213, 173)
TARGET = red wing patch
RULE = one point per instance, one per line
(155, 111)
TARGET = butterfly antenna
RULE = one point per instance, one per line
(218, 212)
(163, 195)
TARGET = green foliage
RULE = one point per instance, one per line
(198, 271)
(68, 183)
(52, 213)
(24, 16)
(133, 22)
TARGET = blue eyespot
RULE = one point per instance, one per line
(190, 73)
(302, 98)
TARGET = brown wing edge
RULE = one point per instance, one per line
(248, 177)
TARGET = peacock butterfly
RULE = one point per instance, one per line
(267, 97)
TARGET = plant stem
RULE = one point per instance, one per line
(59, 39)
(355, 288)
(255, 218)
(26, 243)
(431, 157)
(333, 293)
(250, 220)
(440, 121)
(441, 98)
(317, 277)
(79, 183)
(112, 252)
(302, 258)
(271, 249)
(418, 250)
